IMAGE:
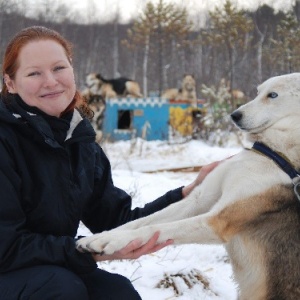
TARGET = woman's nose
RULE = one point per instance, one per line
(50, 79)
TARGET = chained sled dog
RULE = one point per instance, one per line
(248, 203)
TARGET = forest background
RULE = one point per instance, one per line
(163, 43)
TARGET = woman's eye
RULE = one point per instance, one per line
(59, 68)
(33, 74)
(272, 95)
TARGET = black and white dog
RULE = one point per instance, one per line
(111, 88)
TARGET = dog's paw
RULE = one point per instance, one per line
(84, 244)
(109, 242)
(102, 244)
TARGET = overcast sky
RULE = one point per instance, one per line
(104, 10)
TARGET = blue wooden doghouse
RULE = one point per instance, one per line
(148, 118)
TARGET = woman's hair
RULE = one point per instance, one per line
(35, 33)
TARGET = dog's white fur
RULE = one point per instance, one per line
(246, 203)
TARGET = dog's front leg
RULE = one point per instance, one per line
(191, 206)
(187, 231)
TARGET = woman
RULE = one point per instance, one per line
(52, 175)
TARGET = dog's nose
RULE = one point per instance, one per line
(236, 116)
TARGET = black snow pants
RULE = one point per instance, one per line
(56, 283)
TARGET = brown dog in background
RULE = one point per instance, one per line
(186, 92)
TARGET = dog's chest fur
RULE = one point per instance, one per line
(252, 219)
(262, 253)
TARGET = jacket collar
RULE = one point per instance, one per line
(80, 128)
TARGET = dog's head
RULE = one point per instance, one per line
(94, 82)
(276, 105)
(188, 83)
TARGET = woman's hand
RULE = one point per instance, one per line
(201, 175)
(135, 249)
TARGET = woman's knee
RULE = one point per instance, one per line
(104, 285)
(68, 286)
(42, 282)
(125, 288)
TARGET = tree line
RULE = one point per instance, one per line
(162, 44)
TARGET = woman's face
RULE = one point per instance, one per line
(44, 78)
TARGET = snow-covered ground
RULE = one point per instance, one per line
(186, 272)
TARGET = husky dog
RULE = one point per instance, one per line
(249, 203)
(111, 88)
(186, 92)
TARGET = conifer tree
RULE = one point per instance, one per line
(285, 49)
(155, 29)
(229, 33)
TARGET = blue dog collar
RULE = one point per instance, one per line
(277, 158)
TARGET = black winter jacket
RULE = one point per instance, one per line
(47, 187)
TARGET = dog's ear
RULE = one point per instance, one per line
(98, 76)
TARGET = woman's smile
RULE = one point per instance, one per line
(52, 94)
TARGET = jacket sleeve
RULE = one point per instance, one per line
(111, 207)
(19, 247)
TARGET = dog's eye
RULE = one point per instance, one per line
(272, 95)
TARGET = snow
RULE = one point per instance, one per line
(184, 272)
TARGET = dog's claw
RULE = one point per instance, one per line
(81, 249)
(101, 253)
